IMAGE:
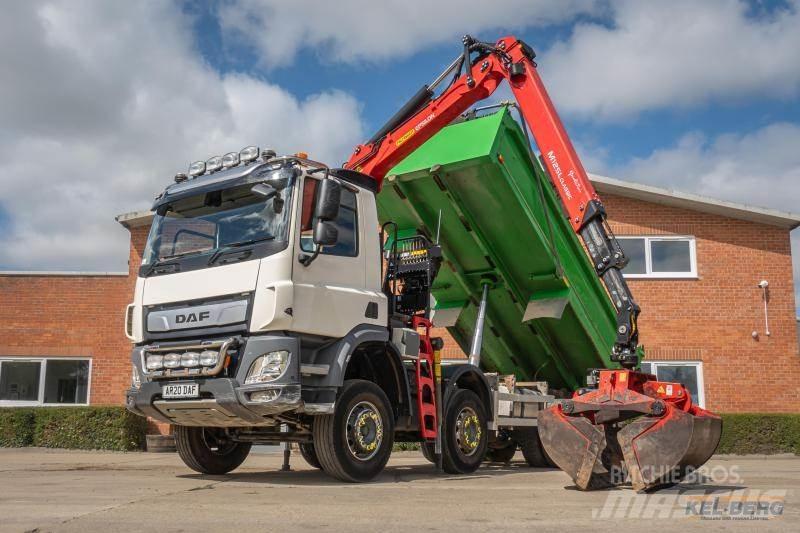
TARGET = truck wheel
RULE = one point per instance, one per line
(354, 443)
(208, 450)
(531, 446)
(502, 455)
(464, 439)
(309, 454)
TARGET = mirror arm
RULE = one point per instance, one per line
(306, 259)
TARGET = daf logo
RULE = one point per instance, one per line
(192, 317)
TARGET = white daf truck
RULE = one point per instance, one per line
(266, 311)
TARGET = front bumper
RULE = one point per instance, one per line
(223, 401)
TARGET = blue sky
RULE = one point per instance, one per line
(383, 87)
(108, 100)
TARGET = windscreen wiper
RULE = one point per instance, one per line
(238, 244)
(161, 260)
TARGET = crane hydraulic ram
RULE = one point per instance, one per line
(626, 421)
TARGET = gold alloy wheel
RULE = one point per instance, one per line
(364, 431)
(468, 431)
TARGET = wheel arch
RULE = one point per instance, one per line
(366, 353)
(467, 377)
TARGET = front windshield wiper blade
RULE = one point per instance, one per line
(161, 260)
(238, 244)
(182, 254)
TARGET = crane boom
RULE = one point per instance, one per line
(512, 60)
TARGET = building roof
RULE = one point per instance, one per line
(135, 219)
(627, 189)
(695, 202)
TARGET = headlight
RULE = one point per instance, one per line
(136, 379)
(214, 164)
(172, 360)
(268, 367)
(231, 159)
(197, 168)
(190, 359)
(155, 362)
(209, 358)
(248, 154)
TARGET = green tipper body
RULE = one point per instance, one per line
(501, 218)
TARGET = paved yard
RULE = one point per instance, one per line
(53, 490)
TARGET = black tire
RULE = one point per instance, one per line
(309, 454)
(532, 449)
(428, 451)
(208, 451)
(344, 440)
(464, 433)
(502, 455)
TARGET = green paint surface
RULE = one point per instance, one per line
(498, 208)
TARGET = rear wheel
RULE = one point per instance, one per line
(502, 455)
(532, 449)
(354, 443)
(309, 454)
(465, 440)
(209, 450)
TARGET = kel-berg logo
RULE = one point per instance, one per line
(192, 317)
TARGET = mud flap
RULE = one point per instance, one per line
(661, 451)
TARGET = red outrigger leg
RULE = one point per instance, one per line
(630, 428)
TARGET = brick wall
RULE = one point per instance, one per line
(711, 319)
(73, 316)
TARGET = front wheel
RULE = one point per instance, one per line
(209, 450)
(354, 443)
(465, 439)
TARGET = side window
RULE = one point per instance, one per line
(347, 222)
(689, 374)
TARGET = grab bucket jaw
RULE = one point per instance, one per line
(615, 434)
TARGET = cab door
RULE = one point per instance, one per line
(330, 294)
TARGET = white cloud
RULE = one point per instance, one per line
(760, 168)
(104, 102)
(370, 31)
(680, 53)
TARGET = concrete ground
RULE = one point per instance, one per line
(56, 490)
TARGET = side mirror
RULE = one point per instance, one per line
(325, 233)
(328, 198)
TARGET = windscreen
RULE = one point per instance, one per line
(208, 222)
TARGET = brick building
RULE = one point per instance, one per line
(695, 269)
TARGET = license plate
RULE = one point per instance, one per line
(181, 390)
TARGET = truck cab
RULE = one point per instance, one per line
(261, 315)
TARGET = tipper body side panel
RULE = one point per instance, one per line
(548, 316)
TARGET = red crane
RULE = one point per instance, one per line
(664, 435)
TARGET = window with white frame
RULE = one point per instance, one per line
(44, 381)
(659, 257)
(687, 373)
